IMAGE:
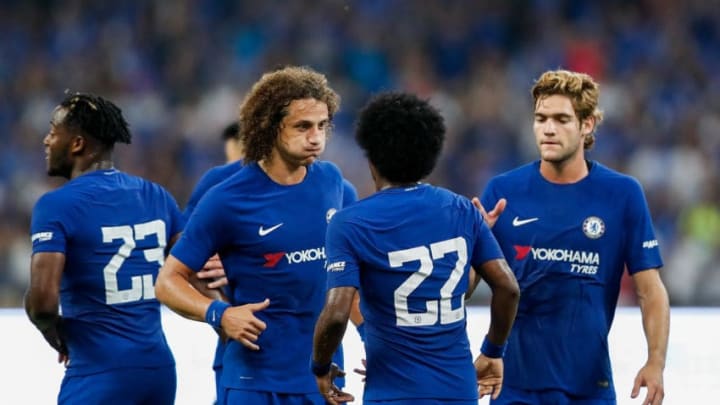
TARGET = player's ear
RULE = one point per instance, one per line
(77, 144)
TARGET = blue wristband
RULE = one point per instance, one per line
(489, 349)
(361, 331)
(320, 369)
(214, 313)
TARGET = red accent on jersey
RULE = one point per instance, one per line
(272, 259)
(521, 251)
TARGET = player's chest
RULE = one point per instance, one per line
(580, 222)
(285, 224)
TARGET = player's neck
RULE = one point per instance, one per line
(382, 184)
(91, 166)
(564, 172)
(283, 172)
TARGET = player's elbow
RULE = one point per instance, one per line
(162, 285)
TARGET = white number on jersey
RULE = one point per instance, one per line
(142, 286)
(442, 306)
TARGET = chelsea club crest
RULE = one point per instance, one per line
(593, 227)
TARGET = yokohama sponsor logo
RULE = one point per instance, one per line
(298, 256)
(307, 255)
(558, 255)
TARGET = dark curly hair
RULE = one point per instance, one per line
(96, 117)
(232, 131)
(402, 136)
(265, 106)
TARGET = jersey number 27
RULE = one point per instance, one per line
(142, 285)
(441, 306)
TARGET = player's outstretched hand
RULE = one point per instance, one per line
(489, 376)
(326, 384)
(240, 323)
(650, 376)
(214, 272)
(492, 216)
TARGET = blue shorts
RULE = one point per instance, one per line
(271, 398)
(122, 386)
(219, 389)
(421, 402)
(514, 396)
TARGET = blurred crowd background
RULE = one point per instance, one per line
(179, 70)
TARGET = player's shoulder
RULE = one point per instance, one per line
(136, 182)
(515, 176)
(451, 201)
(221, 172)
(603, 174)
(59, 199)
(613, 183)
(326, 168)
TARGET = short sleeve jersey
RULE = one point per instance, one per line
(568, 245)
(113, 229)
(409, 252)
(270, 238)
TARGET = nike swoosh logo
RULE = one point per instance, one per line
(262, 231)
(519, 222)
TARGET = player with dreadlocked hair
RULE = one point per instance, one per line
(103, 237)
(97, 117)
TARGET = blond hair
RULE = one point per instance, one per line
(580, 88)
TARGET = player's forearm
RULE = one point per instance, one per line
(505, 298)
(173, 289)
(330, 326)
(655, 310)
(329, 332)
(503, 308)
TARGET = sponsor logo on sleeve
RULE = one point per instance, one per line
(336, 267)
(41, 237)
(329, 214)
(649, 244)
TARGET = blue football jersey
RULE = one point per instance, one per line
(207, 181)
(409, 252)
(349, 193)
(113, 229)
(271, 239)
(218, 174)
(568, 245)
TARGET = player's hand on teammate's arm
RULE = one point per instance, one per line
(489, 375)
(214, 272)
(326, 384)
(651, 377)
(491, 216)
(240, 323)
